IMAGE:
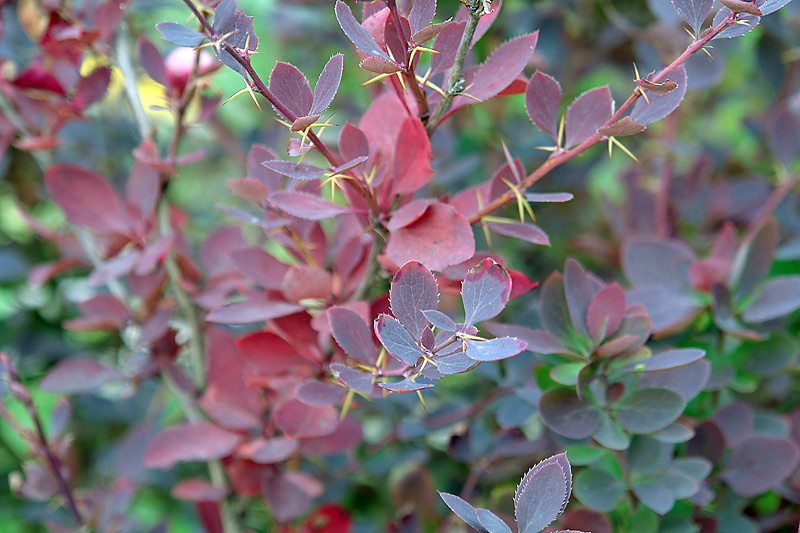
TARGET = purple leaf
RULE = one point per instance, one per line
(352, 333)
(86, 198)
(520, 230)
(327, 85)
(190, 442)
(693, 11)
(563, 412)
(397, 340)
(299, 171)
(771, 6)
(653, 263)
(485, 291)
(240, 28)
(753, 260)
(491, 521)
(446, 43)
(760, 463)
(223, 13)
(649, 410)
(287, 495)
(359, 381)
(270, 451)
(406, 385)
(667, 360)
(378, 65)
(319, 393)
(500, 69)
(735, 30)
(422, 12)
(440, 320)
(413, 290)
(464, 510)
(578, 294)
(661, 105)
(260, 266)
(178, 34)
(78, 375)
(687, 380)
(736, 422)
(494, 349)
(291, 88)
(151, 60)
(298, 420)
(537, 341)
(454, 363)
(251, 311)
(554, 311)
(778, 297)
(586, 114)
(357, 33)
(543, 494)
(542, 98)
(604, 314)
(548, 196)
(306, 206)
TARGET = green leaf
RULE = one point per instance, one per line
(598, 489)
(649, 410)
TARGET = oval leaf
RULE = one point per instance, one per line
(649, 410)
(485, 291)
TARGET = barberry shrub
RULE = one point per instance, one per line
(355, 330)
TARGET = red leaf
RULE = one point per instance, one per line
(298, 420)
(36, 77)
(260, 266)
(586, 114)
(197, 490)
(411, 164)
(302, 282)
(202, 441)
(267, 353)
(78, 375)
(328, 519)
(86, 198)
(439, 238)
(306, 206)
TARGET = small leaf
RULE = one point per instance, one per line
(407, 385)
(563, 412)
(422, 12)
(523, 231)
(494, 349)
(464, 510)
(741, 6)
(649, 410)
(771, 6)
(542, 98)
(306, 206)
(190, 442)
(622, 128)
(492, 522)
(327, 85)
(397, 340)
(179, 34)
(667, 360)
(654, 496)
(693, 11)
(300, 171)
(357, 33)
(413, 290)
(549, 197)
(586, 114)
(543, 494)
(598, 489)
(604, 314)
(485, 291)
(735, 30)
(354, 379)
(353, 334)
(661, 105)
(298, 420)
(151, 60)
(440, 320)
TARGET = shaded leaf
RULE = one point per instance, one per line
(492, 522)
(151, 60)
(269, 451)
(197, 490)
(86, 198)
(649, 410)
(190, 442)
(542, 98)
(753, 260)
(770, 357)
(778, 297)
(306, 206)
(760, 463)
(78, 375)
(563, 412)
(464, 510)
(298, 420)
(553, 310)
(654, 496)
(537, 341)
(598, 489)
(667, 360)
(661, 105)
(578, 294)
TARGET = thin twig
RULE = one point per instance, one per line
(455, 83)
(558, 158)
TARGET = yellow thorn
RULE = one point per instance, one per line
(708, 53)
(636, 71)
(610, 146)
(373, 80)
(644, 93)
(547, 148)
(346, 405)
(470, 96)
(431, 50)
(237, 95)
(488, 236)
(422, 400)
(561, 129)
(402, 81)
(253, 95)
(430, 84)
(621, 147)
(743, 23)
(692, 35)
